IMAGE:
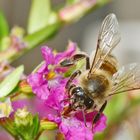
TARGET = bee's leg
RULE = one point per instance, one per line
(75, 58)
(67, 110)
(67, 99)
(70, 88)
(69, 94)
(97, 116)
(70, 108)
(67, 63)
(78, 57)
(76, 73)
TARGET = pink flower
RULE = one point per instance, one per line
(74, 127)
(48, 83)
(48, 80)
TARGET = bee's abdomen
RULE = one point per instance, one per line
(110, 65)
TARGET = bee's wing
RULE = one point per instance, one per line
(126, 79)
(109, 37)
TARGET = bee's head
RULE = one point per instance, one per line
(81, 99)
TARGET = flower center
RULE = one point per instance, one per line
(50, 75)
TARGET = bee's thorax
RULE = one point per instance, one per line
(97, 85)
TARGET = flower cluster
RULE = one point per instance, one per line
(48, 83)
(31, 104)
(46, 105)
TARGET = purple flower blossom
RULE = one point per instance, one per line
(48, 83)
(74, 127)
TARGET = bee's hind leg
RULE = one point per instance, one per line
(97, 116)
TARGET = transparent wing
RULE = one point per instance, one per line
(109, 37)
(126, 79)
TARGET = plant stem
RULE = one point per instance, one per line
(66, 15)
(38, 136)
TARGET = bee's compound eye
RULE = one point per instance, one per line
(88, 102)
(78, 91)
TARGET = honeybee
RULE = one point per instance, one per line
(102, 78)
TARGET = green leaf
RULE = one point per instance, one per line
(10, 82)
(42, 35)
(39, 15)
(69, 2)
(36, 125)
(4, 28)
(5, 43)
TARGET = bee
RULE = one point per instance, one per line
(102, 78)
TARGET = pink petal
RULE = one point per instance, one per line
(99, 126)
(42, 92)
(41, 108)
(68, 53)
(35, 80)
(34, 105)
(57, 94)
(43, 68)
(39, 85)
(71, 48)
(73, 129)
(20, 104)
(47, 55)
(54, 117)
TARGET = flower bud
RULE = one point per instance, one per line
(5, 43)
(5, 108)
(17, 31)
(23, 118)
(25, 87)
(47, 125)
(76, 11)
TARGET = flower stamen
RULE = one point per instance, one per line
(50, 75)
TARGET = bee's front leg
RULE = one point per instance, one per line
(97, 116)
(72, 77)
(74, 59)
(78, 57)
(70, 89)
